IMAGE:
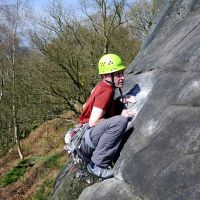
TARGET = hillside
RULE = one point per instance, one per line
(44, 158)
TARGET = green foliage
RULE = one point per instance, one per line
(141, 17)
(52, 160)
(15, 173)
(71, 48)
(44, 191)
(48, 162)
(59, 74)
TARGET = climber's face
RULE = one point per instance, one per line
(116, 77)
(119, 78)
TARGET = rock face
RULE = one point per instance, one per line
(161, 159)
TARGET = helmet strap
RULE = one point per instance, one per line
(112, 83)
(120, 91)
(112, 78)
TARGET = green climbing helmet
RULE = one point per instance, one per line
(110, 63)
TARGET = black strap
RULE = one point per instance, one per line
(113, 84)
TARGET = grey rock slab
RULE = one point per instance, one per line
(109, 189)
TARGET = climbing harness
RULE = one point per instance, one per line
(79, 162)
(74, 136)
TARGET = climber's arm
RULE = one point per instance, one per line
(96, 116)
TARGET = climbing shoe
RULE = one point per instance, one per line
(99, 171)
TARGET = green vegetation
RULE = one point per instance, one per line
(51, 160)
(17, 172)
(48, 162)
(58, 70)
(45, 166)
(45, 190)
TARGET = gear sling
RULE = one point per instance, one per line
(73, 140)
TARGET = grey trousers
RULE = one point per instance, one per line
(106, 136)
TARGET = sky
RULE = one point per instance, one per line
(42, 4)
(39, 6)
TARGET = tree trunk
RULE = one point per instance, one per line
(14, 113)
(1, 92)
(13, 94)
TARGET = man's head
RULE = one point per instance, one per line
(111, 69)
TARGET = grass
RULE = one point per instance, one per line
(17, 172)
(44, 191)
(49, 162)
(34, 177)
(52, 161)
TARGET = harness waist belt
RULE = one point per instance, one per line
(88, 140)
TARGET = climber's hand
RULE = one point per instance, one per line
(127, 113)
(128, 98)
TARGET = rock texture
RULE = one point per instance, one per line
(161, 159)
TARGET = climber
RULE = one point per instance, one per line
(106, 117)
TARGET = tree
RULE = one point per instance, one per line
(141, 17)
(68, 59)
(105, 18)
(12, 22)
(38, 84)
(71, 48)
